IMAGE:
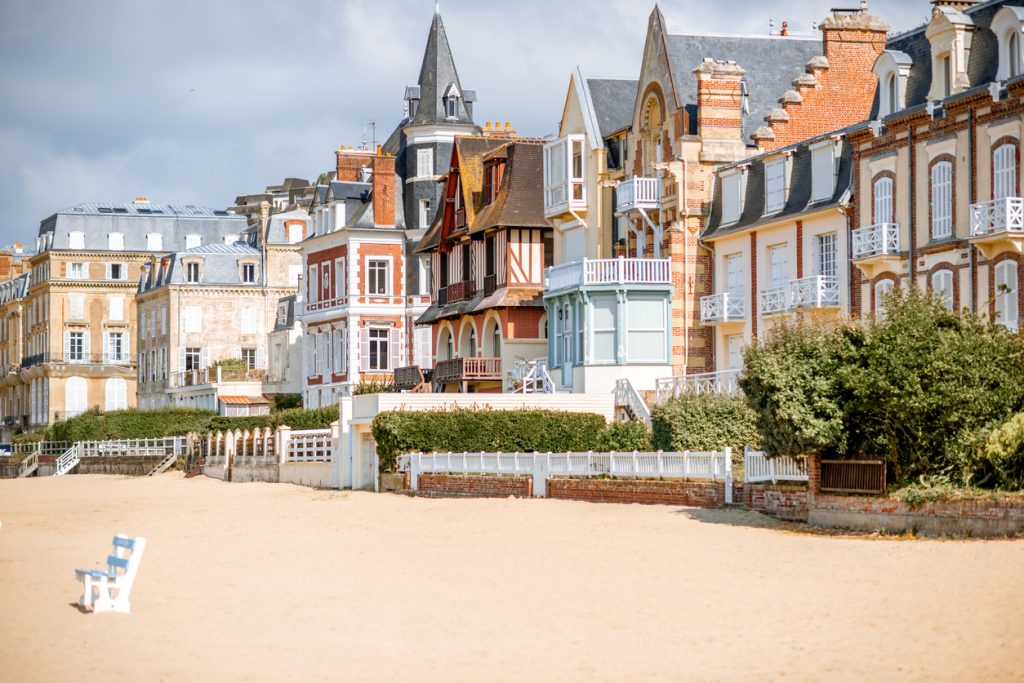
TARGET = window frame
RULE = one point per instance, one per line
(941, 223)
(774, 185)
(387, 261)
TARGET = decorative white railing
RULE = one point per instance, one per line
(774, 300)
(726, 382)
(1000, 215)
(758, 467)
(716, 466)
(613, 271)
(133, 448)
(29, 465)
(67, 462)
(722, 308)
(819, 291)
(882, 239)
(638, 193)
(627, 397)
(532, 377)
(311, 445)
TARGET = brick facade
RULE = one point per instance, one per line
(646, 491)
(475, 486)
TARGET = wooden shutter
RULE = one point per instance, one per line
(395, 347)
(86, 344)
(1007, 306)
(424, 355)
(106, 347)
(181, 359)
(364, 349)
(1004, 172)
(67, 346)
(883, 201)
(204, 358)
(942, 199)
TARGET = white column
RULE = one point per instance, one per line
(344, 451)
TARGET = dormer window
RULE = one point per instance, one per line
(451, 102)
(823, 170)
(732, 195)
(249, 273)
(947, 75)
(1006, 24)
(192, 273)
(774, 185)
(892, 68)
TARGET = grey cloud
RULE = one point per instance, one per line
(194, 102)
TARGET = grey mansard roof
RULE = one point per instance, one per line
(220, 266)
(135, 222)
(771, 63)
(799, 200)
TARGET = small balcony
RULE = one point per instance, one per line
(565, 190)
(72, 358)
(998, 226)
(490, 284)
(638, 193)
(724, 383)
(876, 240)
(816, 292)
(468, 370)
(723, 308)
(461, 291)
(411, 378)
(616, 271)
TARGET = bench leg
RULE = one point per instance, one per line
(86, 600)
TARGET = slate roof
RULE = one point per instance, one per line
(984, 58)
(220, 267)
(135, 222)
(358, 199)
(437, 75)
(799, 200)
(771, 63)
(14, 289)
(613, 103)
(289, 321)
(520, 199)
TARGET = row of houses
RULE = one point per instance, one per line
(671, 221)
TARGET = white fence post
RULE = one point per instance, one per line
(415, 463)
(539, 472)
(283, 437)
(728, 475)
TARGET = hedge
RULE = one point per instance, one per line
(504, 431)
(707, 422)
(154, 424)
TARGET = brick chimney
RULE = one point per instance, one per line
(853, 41)
(720, 110)
(496, 130)
(383, 189)
(349, 162)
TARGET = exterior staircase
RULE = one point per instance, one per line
(196, 469)
(68, 461)
(164, 465)
(629, 404)
(29, 465)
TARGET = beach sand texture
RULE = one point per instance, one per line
(274, 582)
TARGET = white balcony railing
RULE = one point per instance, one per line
(876, 240)
(774, 300)
(998, 216)
(638, 193)
(616, 271)
(726, 382)
(722, 308)
(818, 291)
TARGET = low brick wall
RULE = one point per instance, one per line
(973, 517)
(785, 501)
(475, 485)
(649, 491)
(131, 467)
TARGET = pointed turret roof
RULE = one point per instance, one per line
(438, 79)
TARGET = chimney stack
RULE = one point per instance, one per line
(384, 208)
(349, 162)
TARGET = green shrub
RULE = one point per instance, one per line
(1003, 454)
(129, 424)
(230, 364)
(374, 388)
(286, 402)
(296, 418)
(706, 422)
(509, 431)
(631, 435)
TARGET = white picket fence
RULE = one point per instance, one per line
(310, 445)
(716, 466)
(133, 448)
(758, 467)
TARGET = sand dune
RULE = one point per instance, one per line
(273, 582)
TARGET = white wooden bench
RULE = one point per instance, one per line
(113, 587)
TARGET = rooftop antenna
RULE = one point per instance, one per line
(364, 137)
(373, 132)
(771, 26)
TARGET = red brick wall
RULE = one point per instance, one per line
(1011, 507)
(691, 493)
(783, 501)
(384, 190)
(475, 486)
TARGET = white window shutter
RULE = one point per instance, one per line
(67, 345)
(204, 358)
(181, 359)
(86, 344)
(260, 361)
(106, 346)
(424, 344)
(395, 347)
(364, 350)
(343, 367)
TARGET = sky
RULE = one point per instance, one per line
(199, 101)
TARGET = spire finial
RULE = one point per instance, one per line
(437, 8)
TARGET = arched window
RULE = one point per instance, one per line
(883, 288)
(451, 104)
(1007, 294)
(445, 345)
(890, 89)
(883, 201)
(76, 396)
(115, 394)
(472, 343)
(942, 200)
(1004, 172)
(942, 286)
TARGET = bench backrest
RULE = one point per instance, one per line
(127, 555)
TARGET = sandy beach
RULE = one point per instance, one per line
(273, 582)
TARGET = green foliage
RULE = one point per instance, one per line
(374, 388)
(129, 424)
(921, 389)
(1003, 453)
(792, 382)
(285, 402)
(509, 431)
(705, 423)
(631, 435)
(296, 418)
(230, 364)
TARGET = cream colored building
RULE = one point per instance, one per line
(78, 344)
(205, 313)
